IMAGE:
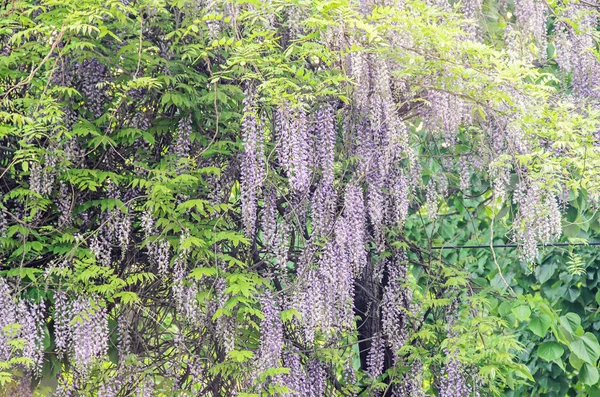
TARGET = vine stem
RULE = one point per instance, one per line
(512, 292)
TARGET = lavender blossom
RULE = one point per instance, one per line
(41, 178)
(445, 115)
(472, 10)
(8, 317)
(252, 168)
(93, 77)
(184, 129)
(308, 300)
(411, 383)
(271, 339)
(123, 337)
(296, 381)
(3, 224)
(31, 317)
(323, 208)
(538, 218)
(350, 230)
(90, 331)
(294, 147)
(464, 173)
(301, 175)
(531, 17)
(398, 202)
(337, 288)
(317, 377)
(326, 142)
(452, 381)
(396, 303)
(431, 200)
(269, 216)
(62, 318)
(158, 249)
(225, 327)
(376, 357)
(63, 205)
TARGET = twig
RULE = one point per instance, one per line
(34, 71)
(494, 253)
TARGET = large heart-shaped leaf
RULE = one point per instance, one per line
(545, 272)
(522, 312)
(550, 351)
(570, 321)
(586, 348)
(539, 325)
(569, 326)
(588, 375)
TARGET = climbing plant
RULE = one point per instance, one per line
(299, 198)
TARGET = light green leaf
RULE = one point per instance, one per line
(201, 272)
(569, 324)
(523, 371)
(539, 325)
(575, 362)
(586, 348)
(571, 230)
(545, 272)
(550, 351)
(522, 312)
(588, 375)
(240, 355)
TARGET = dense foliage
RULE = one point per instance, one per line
(299, 198)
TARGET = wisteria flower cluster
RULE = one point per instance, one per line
(217, 197)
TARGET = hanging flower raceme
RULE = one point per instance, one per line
(411, 384)
(89, 330)
(538, 219)
(271, 338)
(269, 216)
(21, 320)
(62, 317)
(398, 203)
(252, 168)
(376, 357)
(453, 382)
(158, 249)
(531, 17)
(396, 303)
(325, 127)
(350, 230)
(296, 381)
(183, 145)
(93, 77)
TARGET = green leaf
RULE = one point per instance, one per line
(586, 348)
(523, 371)
(575, 362)
(594, 392)
(539, 325)
(571, 230)
(550, 351)
(240, 355)
(127, 297)
(201, 272)
(288, 315)
(522, 312)
(545, 272)
(569, 324)
(588, 375)
(190, 240)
